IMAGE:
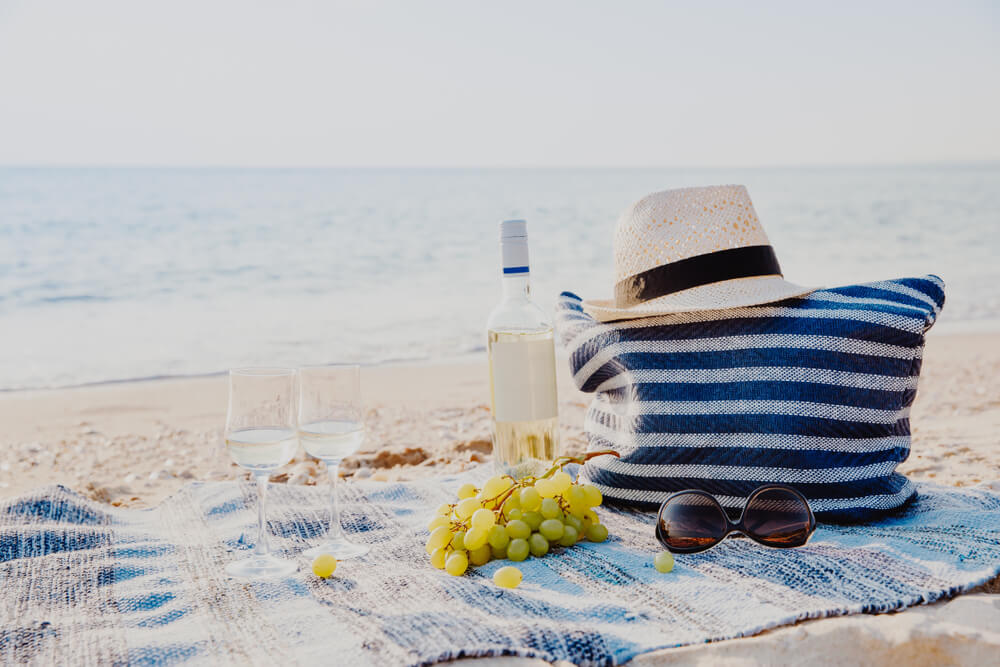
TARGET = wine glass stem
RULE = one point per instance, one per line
(335, 531)
(260, 549)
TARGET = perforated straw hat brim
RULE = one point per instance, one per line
(716, 296)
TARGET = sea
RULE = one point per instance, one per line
(110, 274)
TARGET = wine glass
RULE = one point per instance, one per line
(260, 437)
(331, 427)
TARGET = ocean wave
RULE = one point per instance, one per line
(197, 270)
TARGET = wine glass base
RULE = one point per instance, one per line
(261, 567)
(340, 549)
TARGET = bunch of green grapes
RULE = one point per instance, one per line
(513, 519)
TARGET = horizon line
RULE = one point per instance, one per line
(787, 165)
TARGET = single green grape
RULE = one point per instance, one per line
(530, 499)
(483, 518)
(591, 516)
(576, 495)
(569, 537)
(538, 544)
(562, 481)
(550, 508)
(551, 529)
(437, 521)
(518, 529)
(444, 509)
(597, 533)
(456, 564)
(498, 552)
(324, 565)
(592, 495)
(438, 558)
(497, 537)
(507, 577)
(467, 491)
(480, 556)
(546, 488)
(439, 537)
(458, 541)
(466, 508)
(663, 562)
(475, 537)
(494, 486)
(533, 519)
(518, 549)
(571, 520)
(514, 514)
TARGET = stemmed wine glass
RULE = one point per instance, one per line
(331, 427)
(260, 437)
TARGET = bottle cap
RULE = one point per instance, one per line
(513, 229)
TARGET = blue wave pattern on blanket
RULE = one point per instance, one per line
(87, 583)
(814, 392)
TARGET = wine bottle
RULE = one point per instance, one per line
(521, 350)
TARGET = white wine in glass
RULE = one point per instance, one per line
(331, 427)
(260, 437)
(331, 440)
(256, 449)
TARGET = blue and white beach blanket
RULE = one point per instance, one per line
(84, 583)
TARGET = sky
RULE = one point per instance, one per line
(475, 83)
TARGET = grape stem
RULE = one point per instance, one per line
(566, 460)
(557, 465)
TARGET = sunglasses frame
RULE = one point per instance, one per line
(738, 525)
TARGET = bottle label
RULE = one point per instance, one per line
(524, 380)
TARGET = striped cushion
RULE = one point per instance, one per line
(814, 392)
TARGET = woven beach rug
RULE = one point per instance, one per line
(84, 583)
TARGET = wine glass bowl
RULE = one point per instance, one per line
(260, 437)
(331, 427)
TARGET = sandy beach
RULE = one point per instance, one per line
(132, 444)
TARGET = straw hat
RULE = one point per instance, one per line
(692, 249)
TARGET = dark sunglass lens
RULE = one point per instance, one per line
(691, 521)
(778, 517)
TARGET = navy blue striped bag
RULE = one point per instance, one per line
(814, 392)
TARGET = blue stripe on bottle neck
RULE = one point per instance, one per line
(515, 269)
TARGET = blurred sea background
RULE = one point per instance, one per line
(120, 273)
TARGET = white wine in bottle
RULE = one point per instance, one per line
(521, 350)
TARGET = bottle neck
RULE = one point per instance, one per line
(516, 287)
(514, 253)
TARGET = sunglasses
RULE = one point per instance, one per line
(774, 515)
